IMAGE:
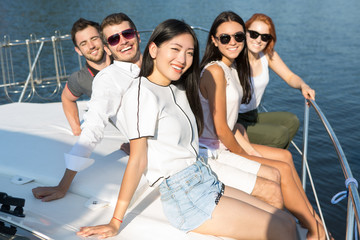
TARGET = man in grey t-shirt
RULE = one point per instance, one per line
(87, 41)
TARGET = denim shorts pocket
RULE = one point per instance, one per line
(195, 192)
(192, 182)
(167, 193)
(172, 208)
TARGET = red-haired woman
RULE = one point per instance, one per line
(275, 129)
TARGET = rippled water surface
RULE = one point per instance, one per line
(318, 40)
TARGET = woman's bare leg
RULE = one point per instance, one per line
(269, 192)
(241, 216)
(269, 173)
(266, 188)
(281, 155)
(237, 194)
(271, 158)
(294, 200)
(285, 156)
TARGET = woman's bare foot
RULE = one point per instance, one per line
(319, 234)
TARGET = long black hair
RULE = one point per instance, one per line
(212, 53)
(189, 81)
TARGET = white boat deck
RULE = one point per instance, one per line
(33, 139)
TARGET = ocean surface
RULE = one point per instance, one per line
(318, 40)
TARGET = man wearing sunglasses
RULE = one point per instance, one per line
(121, 41)
(85, 35)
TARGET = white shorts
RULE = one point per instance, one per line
(231, 169)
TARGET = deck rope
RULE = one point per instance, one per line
(344, 194)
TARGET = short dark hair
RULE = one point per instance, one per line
(189, 81)
(114, 19)
(81, 24)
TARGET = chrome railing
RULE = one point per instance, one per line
(353, 208)
(12, 83)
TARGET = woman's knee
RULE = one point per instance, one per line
(270, 173)
(285, 169)
(273, 135)
(285, 156)
(294, 122)
(281, 138)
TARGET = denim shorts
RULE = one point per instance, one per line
(189, 197)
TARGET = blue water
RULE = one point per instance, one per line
(318, 40)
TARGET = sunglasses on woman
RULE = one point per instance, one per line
(264, 37)
(225, 38)
(115, 38)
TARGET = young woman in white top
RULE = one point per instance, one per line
(221, 134)
(162, 114)
(275, 129)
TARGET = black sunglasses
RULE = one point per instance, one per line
(264, 37)
(225, 38)
(115, 38)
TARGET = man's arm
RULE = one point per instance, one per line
(71, 110)
(104, 103)
(47, 194)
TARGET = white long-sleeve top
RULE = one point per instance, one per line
(109, 87)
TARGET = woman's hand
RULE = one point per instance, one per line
(102, 231)
(254, 153)
(243, 140)
(307, 92)
(135, 167)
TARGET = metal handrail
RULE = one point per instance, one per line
(68, 37)
(353, 194)
(34, 64)
(306, 169)
(31, 71)
(61, 37)
(32, 41)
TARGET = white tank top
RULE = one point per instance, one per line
(258, 84)
(234, 94)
